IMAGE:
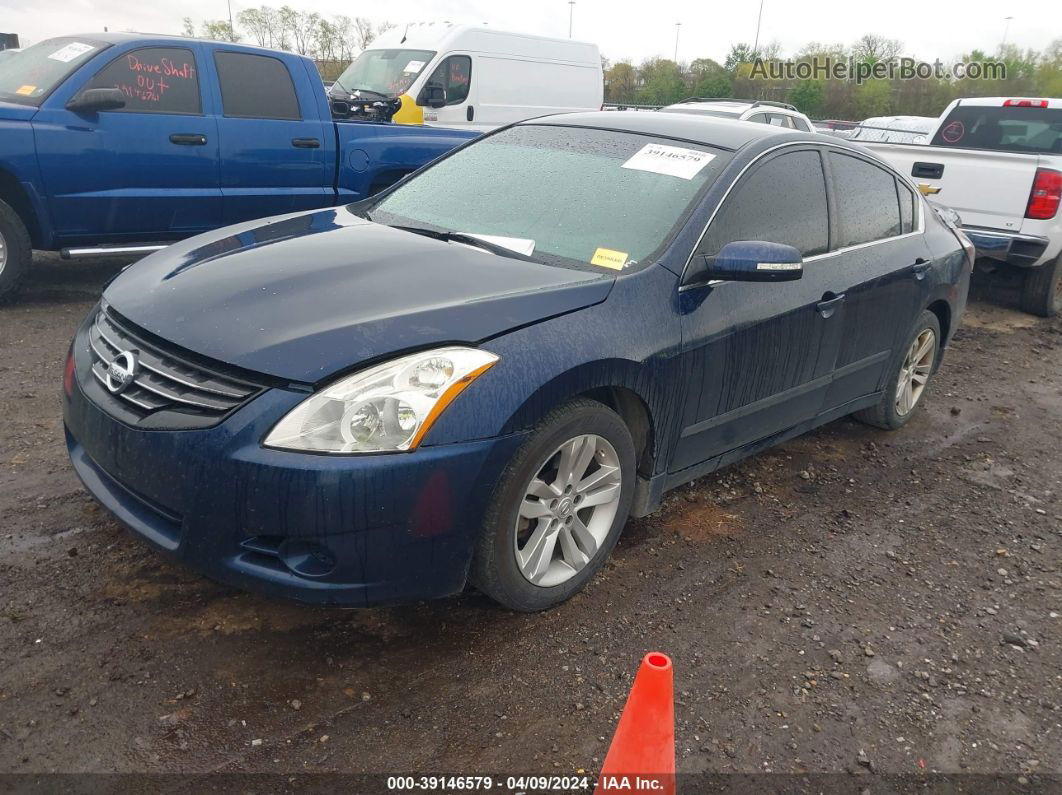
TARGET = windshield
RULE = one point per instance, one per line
(579, 197)
(30, 75)
(1003, 129)
(387, 72)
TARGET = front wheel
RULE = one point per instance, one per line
(558, 508)
(16, 252)
(909, 378)
(1041, 292)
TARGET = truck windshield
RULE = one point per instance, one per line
(385, 72)
(571, 196)
(1002, 129)
(29, 76)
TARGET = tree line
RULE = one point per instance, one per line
(660, 81)
(333, 42)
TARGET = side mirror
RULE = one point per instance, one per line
(96, 99)
(433, 95)
(754, 261)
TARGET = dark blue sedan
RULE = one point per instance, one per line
(480, 374)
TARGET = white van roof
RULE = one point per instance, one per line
(446, 36)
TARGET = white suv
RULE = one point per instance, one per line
(776, 113)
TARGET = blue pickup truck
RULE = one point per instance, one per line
(121, 142)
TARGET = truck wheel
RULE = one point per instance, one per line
(16, 252)
(1042, 292)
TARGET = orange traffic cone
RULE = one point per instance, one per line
(642, 754)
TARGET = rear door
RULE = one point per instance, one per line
(148, 171)
(761, 355)
(879, 262)
(275, 150)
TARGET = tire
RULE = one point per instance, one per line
(1041, 293)
(890, 414)
(16, 251)
(499, 564)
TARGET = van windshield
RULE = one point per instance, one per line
(29, 76)
(384, 72)
(1002, 129)
(568, 196)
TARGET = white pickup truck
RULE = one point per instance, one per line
(998, 163)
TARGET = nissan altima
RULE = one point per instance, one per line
(478, 375)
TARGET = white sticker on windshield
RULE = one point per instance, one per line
(413, 66)
(671, 160)
(71, 51)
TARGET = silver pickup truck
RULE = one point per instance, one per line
(997, 161)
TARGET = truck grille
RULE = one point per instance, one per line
(162, 381)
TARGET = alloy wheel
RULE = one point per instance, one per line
(915, 372)
(3, 252)
(567, 510)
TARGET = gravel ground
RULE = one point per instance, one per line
(852, 601)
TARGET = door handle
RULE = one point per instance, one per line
(921, 268)
(306, 143)
(470, 113)
(188, 139)
(829, 303)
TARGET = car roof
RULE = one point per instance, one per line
(709, 130)
(116, 37)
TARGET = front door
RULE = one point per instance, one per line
(760, 355)
(454, 74)
(148, 171)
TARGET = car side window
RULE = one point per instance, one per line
(154, 80)
(799, 124)
(907, 205)
(256, 87)
(781, 201)
(778, 120)
(759, 118)
(455, 75)
(867, 205)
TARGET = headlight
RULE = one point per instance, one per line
(384, 408)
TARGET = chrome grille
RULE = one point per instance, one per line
(162, 382)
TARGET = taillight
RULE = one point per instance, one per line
(1046, 194)
(68, 373)
(1025, 103)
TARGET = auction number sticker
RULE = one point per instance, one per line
(71, 51)
(671, 160)
(413, 66)
(607, 258)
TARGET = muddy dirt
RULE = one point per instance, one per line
(852, 601)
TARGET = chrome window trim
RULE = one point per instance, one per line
(827, 144)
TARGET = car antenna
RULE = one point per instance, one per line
(405, 33)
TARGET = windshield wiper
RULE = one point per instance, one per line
(466, 239)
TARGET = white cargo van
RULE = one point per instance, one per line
(473, 76)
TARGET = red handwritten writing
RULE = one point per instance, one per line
(164, 67)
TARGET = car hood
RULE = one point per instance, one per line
(303, 296)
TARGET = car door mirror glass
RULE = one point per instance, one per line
(93, 100)
(754, 261)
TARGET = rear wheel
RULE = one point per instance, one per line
(909, 378)
(558, 509)
(1041, 293)
(16, 252)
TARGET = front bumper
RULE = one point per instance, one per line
(341, 530)
(1024, 251)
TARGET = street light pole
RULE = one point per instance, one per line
(1006, 30)
(571, 14)
(232, 30)
(756, 43)
(678, 26)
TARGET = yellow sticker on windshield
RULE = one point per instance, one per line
(607, 258)
(26, 90)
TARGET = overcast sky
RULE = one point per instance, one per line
(621, 28)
